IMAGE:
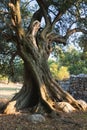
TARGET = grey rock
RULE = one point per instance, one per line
(36, 118)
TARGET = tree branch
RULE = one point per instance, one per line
(34, 29)
(9, 37)
(48, 27)
(4, 12)
(64, 7)
(58, 16)
(44, 8)
(36, 17)
(54, 37)
(70, 32)
(16, 17)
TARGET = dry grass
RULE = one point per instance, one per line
(8, 90)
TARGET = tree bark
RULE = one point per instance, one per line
(40, 92)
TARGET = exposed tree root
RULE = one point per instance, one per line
(10, 109)
(45, 104)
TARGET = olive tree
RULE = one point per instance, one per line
(51, 22)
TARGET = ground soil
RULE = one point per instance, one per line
(19, 121)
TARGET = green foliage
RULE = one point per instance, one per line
(68, 62)
(60, 73)
(74, 61)
(63, 73)
(18, 71)
(83, 43)
(3, 78)
(12, 72)
(54, 69)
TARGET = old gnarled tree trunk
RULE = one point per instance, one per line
(40, 92)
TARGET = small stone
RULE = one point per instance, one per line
(36, 118)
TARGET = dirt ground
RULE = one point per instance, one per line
(19, 121)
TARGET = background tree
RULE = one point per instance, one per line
(11, 67)
(83, 44)
(33, 43)
(59, 72)
(73, 61)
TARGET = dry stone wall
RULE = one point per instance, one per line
(76, 86)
